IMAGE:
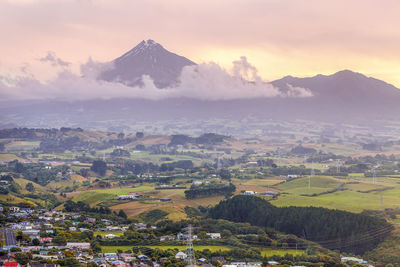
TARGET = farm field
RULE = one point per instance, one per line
(356, 195)
(9, 157)
(267, 252)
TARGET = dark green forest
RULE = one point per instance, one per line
(333, 229)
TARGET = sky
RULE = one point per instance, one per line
(278, 37)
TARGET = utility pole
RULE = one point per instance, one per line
(189, 248)
(338, 163)
(311, 175)
(374, 175)
(279, 155)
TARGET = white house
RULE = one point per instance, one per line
(181, 255)
(214, 235)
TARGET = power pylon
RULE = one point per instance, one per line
(189, 248)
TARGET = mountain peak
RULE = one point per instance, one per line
(147, 58)
(148, 46)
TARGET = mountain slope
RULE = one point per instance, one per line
(147, 58)
(345, 88)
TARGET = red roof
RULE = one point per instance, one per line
(11, 264)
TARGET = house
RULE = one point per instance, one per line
(78, 245)
(110, 257)
(14, 209)
(140, 226)
(118, 263)
(100, 262)
(143, 258)
(214, 235)
(127, 197)
(249, 193)
(180, 236)
(38, 264)
(269, 194)
(346, 259)
(127, 257)
(110, 236)
(46, 239)
(167, 238)
(202, 260)
(11, 264)
(181, 255)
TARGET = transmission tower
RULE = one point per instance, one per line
(338, 164)
(311, 174)
(189, 248)
(374, 175)
(279, 155)
(312, 169)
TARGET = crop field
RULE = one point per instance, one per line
(268, 252)
(96, 196)
(9, 157)
(317, 185)
(22, 145)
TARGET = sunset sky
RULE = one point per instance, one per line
(279, 37)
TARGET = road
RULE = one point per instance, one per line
(10, 238)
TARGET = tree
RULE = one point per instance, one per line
(70, 262)
(22, 258)
(139, 135)
(19, 167)
(60, 240)
(35, 242)
(225, 174)
(122, 214)
(99, 167)
(84, 172)
(30, 187)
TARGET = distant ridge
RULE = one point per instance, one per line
(147, 58)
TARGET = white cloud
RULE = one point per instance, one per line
(206, 81)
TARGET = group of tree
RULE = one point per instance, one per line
(334, 229)
(80, 206)
(212, 189)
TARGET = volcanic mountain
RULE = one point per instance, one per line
(147, 58)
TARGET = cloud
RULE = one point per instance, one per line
(206, 81)
(54, 60)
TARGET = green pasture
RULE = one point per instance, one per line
(94, 197)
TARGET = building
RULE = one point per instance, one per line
(214, 235)
(181, 255)
(14, 209)
(78, 245)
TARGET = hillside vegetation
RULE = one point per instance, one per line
(333, 229)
